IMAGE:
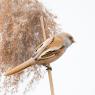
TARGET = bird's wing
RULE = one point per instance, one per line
(49, 53)
(43, 46)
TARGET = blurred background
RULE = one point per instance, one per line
(74, 72)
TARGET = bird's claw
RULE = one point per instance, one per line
(48, 68)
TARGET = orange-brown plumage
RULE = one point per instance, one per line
(51, 52)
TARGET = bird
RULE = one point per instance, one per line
(48, 52)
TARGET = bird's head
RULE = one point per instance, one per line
(67, 39)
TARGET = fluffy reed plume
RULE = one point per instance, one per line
(20, 34)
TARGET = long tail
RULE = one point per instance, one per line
(18, 68)
(31, 61)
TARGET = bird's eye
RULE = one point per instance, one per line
(70, 38)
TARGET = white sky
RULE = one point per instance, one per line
(74, 72)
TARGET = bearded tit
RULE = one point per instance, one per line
(48, 52)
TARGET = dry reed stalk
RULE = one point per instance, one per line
(20, 29)
(49, 71)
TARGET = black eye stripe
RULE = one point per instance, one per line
(70, 37)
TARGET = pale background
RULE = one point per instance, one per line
(74, 72)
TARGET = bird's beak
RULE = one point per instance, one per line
(73, 41)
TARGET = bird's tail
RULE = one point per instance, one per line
(31, 61)
(18, 68)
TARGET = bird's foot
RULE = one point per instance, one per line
(48, 68)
